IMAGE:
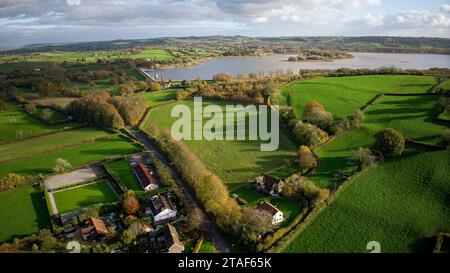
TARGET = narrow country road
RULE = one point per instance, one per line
(210, 227)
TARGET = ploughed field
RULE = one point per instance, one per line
(233, 161)
(399, 203)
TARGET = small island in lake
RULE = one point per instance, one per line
(320, 55)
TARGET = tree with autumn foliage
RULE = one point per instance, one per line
(306, 160)
(130, 203)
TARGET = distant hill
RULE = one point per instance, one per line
(268, 44)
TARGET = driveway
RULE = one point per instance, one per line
(70, 178)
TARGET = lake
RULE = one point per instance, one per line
(245, 65)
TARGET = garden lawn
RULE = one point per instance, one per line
(87, 195)
(233, 161)
(77, 156)
(49, 143)
(342, 96)
(15, 120)
(398, 204)
(158, 97)
(22, 212)
(123, 171)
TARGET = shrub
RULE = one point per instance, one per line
(13, 180)
(222, 77)
(297, 186)
(306, 160)
(363, 157)
(389, 142)
(31, 108)
(309, 134)
(62, 166)
(153, 86)
(141, 86)
(47, 114)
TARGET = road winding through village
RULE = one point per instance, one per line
(211, 229)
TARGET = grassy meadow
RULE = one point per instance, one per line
(158, 97)
(36, 146)
(76, 155)
(234, 161)
(342, 96)
(398, 204)
(22, 212)
(15, 124)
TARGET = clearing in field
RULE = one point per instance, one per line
(16, 124)
(342, 96)
(83, 196)
(123, 171)
(77, 156)
(398, 204)
(22, 212)
(233, 161)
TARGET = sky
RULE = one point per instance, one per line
(25, 22)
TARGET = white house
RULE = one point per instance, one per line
(162, 209)
(277, 215)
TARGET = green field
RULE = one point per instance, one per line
(397, 204)
(44, 144)
(22, 212)
(77, 156)
(79, 197)
(123, 171)
(413, 116)
(253, 198)
(158, 97)
(233, 161)
(15, 123)
(342, 96)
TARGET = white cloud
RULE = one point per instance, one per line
(445, 8)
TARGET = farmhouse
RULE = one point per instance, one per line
(269, 184)
(145, 177)
(95, 229)
(277, 215)
(161, 208)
